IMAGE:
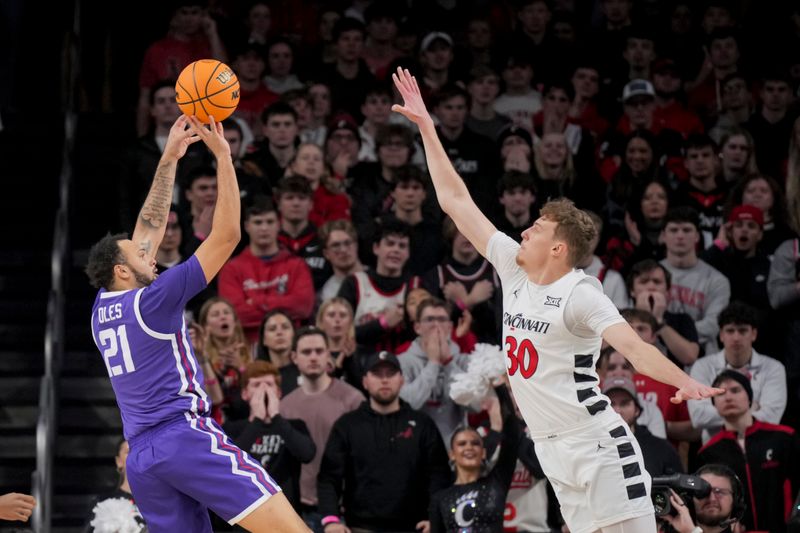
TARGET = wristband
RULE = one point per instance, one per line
(461, 305)
(330, 519)
(211, 381)
(722, 246)
(382, 321)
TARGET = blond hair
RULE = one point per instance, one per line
(213, 344)
(573, 226)
(351, 333)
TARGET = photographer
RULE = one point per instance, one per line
(719, 512)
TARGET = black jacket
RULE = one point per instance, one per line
(769, 470)
(383, 468)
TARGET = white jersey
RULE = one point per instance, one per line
(551, 335)
(373, 302)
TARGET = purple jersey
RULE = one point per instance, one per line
(142, 336)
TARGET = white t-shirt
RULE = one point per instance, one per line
(551, 335)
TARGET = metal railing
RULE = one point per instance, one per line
(54, 340)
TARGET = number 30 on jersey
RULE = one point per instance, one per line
(522, 357)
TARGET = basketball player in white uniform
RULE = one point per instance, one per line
(554, 320)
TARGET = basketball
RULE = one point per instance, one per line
(207, 87)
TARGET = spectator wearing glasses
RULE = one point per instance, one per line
(340, 247)
(429, 365)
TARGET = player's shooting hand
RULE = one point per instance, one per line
(179, 139)
(682, 522)
(694, 390)
(16, 507)
(258, 409)
(413, 107)
(213, 136)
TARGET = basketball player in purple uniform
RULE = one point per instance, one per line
(180, 463)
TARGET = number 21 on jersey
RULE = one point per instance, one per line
(114, 340)
(522, 357)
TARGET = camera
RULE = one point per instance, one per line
(686, 486)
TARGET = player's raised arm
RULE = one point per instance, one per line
(225, 231)
(152, 221)
(451, 192)
(648, 360)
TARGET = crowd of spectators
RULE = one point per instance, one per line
(331, 337)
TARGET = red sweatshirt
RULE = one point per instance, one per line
(329, 206)
(255, 286)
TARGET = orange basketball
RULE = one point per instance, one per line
(207, 87)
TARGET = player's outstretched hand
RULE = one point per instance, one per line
(694, 390)
(413, 107)
(213, 136)
(179, 138)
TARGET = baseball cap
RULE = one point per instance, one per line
(343, 121)
(621, 383)
(747, 212)
(638, 88)
(428, 40)
(513, 130)
(382, 358)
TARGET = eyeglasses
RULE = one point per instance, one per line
(339, 245)
(432, 319)
(720, 492)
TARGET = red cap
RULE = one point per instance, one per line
(747, 212)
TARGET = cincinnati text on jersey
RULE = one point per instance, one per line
(519, 321)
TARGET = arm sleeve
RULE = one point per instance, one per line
(295, 435)
(589, 311)
(782, 283)
(230, 287)
(162, 302)
(501, 251)
(434, 516)
(245, 435)
(418, 387)
(717, 298)
(503, 470)
(332, 471)
(702, 413)
(772, 402)
(439, 475)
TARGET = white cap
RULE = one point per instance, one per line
(637, 88)
(432, 36)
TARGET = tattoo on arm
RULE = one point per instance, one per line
(156, 207)
(146, 245)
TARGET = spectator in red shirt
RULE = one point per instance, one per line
(722, 60)
(192, 35)
(670, 112)
(265, 277)
(254, 95)
(584, 112)
(329, 202)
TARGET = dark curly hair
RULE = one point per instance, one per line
(103, 256)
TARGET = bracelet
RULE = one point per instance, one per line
(211, 381)
(330, 519)
(461, 305)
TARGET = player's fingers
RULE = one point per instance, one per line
(28, 498)
(414, 83)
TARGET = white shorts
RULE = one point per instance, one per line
(597, 473)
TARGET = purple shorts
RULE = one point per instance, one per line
(180, 469)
